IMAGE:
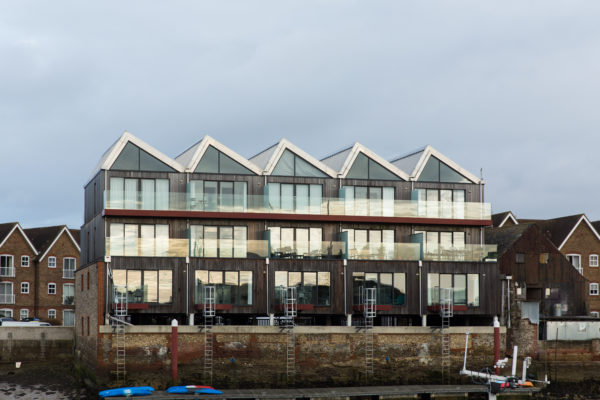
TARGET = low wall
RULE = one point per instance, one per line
(255, 356)
(36, 343)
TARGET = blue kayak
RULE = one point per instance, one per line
(127, 391)
(195, 389)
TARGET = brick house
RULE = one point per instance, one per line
(58, 248)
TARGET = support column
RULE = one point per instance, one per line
(424, 320)
(348, 319)
(496, 345)
(174, 326)
(191, 318)
(271, 319)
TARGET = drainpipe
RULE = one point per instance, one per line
(508, 278)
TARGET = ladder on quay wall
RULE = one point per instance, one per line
(290, 312)
(369, 297)
(121, 310)
(446, 312)
(209, 314)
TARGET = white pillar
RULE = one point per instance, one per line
(191, 318)
(424, 320)
(271, 319)
(348, 319)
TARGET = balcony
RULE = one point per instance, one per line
(386, 251)
(468, 252)
(7, 298)
(262, 204)
(7, 272)
(309, 250)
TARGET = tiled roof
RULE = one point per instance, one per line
(506, 236)
(5, 230)
(556, 229)
(42, 238)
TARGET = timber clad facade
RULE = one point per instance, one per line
(163, 229)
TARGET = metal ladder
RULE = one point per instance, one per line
(209, 314)
(121, 309)
(290, 312)
(369, 296)
(446, 312)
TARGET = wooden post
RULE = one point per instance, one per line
(174, 326)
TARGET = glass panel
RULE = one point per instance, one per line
(210, 196)
(459, 204)
(302, 241)
(377, 171)
(147, 194)
(431, 243)
(302, 199)
(196, 195)
(246, 287)
(131, 240)
(445, 283)
(384, 295)
(349, 200)
(370, 280)
(215, 278)
(445, 203)
(308, 293)
(131, 201)
(147, 240)
(316, 235)
(197, 241)
(239, 242)
(399, 288)
(165, 286)
(431, 172)
(323, 289)
(446, 244)
(287, 240)
(433, 289)
(388, 244)
(151, 163)
(473, 290)
(162, 240)
(460, 289)
(280, 285)
(201, 281)
(116, 239)
(150, 286)
(432, 203)
(361, 242)
(210, 241)
(285, 165)
(287, 197)
(360, 168)
(226, 192)
(421, 198)
(295, 280)
(303, 168)
(459, 240)
(135, 292)
(129, 159)
(162, 194)
(447, 174)
(388, 202)
(375, 248)
(274, 196)
(210, 161)
(226, 242)
(228, 166)
(275, 241)
(316, 198)
(375, 201)
(240, 196)
(230, 288)
(115, 199)
(358, 283)
(360, 200)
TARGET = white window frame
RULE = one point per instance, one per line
(8, 311)
(594, 289)
(25, 261)
(580, 268)
(51, 284)
(595, 314)
(66, 285)
(72, 271)
(68, 311)
(593, 260)
(53, 311)
(28, 286)
(51, 262)
(21, 317)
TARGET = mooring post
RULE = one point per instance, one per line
(174, 326)
(496, 345)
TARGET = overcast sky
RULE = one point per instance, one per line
(510, 87)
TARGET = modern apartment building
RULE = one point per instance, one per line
(161, 229)
(37, 272)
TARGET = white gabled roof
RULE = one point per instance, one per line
(18, 227)
(192, 156)
(267, 160)
(509, 215)
(64, 229)
(588, 223)
(111, 155)
(351, 154)
(430, 151)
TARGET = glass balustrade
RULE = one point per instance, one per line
(385, 251)
(468, 252)
(172, 201)
(309, 250)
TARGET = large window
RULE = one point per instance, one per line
(69, 264)
(143, 194)
(373, 200)
(441, 203)
(139, 240)
(575, 260)
(217, 195)
(450, 245)
(311, 287)
(288, 197)
(6, 312)
(6, 293)
(465, 288)
(296, 242)
(290, 164)
(231, 287)
(390, 287)
(68, 293)
(218, 241)
(145, 286)
(7, 268)
(68, 317)
(370, 244)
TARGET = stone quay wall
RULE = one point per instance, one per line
(255, 356)
(36, 343)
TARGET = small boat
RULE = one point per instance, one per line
(195, 389)
(127, 391)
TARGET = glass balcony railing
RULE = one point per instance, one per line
(386, 251)
(299, 205)
(309, 250)
(7, 298)
(470, 252)
(7, 272)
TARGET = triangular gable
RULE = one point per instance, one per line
(508, 217)
(308, 164)
(408, 162)
(202, 155)
(423, 166)
(63, 230)
(17, 227)
(336, 160)
(359, 153)
(148, 156)
(588, 223)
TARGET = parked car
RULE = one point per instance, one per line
(25, 323)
